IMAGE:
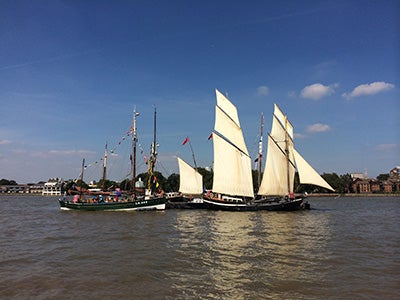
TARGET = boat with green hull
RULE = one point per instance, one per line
(137, 204)
(135, 199)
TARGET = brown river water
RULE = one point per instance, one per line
(343, 248)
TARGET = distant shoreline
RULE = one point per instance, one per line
(353, 195)
(314, 195)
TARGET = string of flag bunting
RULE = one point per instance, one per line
(112, 151)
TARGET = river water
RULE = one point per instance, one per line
(344, 248)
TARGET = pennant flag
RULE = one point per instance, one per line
(185, 141)
(210, 137)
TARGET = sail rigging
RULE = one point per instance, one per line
(283, 160)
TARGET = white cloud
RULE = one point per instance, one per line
(262, 90)
(5, 142)
(387, 147)
(317, 90)
(369, 89)
(70, 152)
(300, 136)
(318, 127)
(291, 94)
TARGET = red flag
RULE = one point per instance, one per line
(210, 137)
(185, 141)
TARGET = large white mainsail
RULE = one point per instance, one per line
(282, 158)
(191, 181)
(232, 164)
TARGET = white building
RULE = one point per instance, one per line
(52, 187)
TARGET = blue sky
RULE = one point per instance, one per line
(71, 73)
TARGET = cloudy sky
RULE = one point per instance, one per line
(72, 72)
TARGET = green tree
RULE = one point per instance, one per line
(383, 177)
(207, 178)
(333, 179)
(68, 185)
(160, 179)
(172, 184)
(126, 184)
(80, 183)
(7, 182)
(108, 184)
(346, 182)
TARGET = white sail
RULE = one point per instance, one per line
(277, 180)
(282, 158)
(288, 127)
(228, 107)
(229, 129)
(191, 182)
(307, 173)
(232, 169)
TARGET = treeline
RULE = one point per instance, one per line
(8, 182)
(341, 183)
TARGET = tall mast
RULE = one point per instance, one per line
(103, 184)
(260, 149)
(83, 168)
(287, 155)
(134, 142)
(194, 160)
(153, 154)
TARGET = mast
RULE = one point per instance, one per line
(153, 155)
(83, 168)
(287, 156)
(194, 160)
(103, 185)
(260, 150)
(134, 142)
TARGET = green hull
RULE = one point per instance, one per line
(143, 204)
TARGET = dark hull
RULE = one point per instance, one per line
(144, 204)
(291, 205)
(185, 203)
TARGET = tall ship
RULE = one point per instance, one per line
(233, 183)
(153, 199)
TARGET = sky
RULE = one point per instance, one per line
(72, 72)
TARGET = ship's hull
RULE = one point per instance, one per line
(143, 204)
(279, 205)
(186, 203)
